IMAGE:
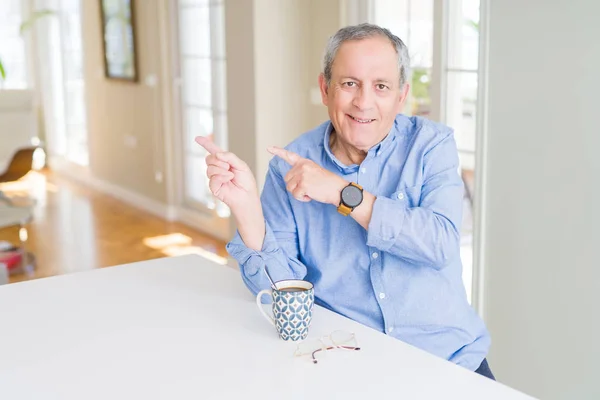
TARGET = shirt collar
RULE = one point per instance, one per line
(397, 129)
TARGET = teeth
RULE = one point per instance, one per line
(364, 121)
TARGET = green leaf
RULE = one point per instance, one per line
(420, 86)
(472, 24)
(34, 17)
(2, 72)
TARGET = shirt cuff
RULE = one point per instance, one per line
(251, 260)
(386, 223)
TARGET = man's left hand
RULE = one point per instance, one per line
(308, 181)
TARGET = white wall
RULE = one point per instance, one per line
(18, 122)
(542, 236)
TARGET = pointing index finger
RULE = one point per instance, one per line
(288, 156)
(208, 145)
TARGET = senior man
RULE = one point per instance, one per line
(367, 206)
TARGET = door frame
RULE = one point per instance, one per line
(199, 217)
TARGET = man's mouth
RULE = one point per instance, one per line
(361, 121)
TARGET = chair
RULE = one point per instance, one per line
(13, 215)
(19, 165)
(18, 216)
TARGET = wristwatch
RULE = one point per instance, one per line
(350, 198)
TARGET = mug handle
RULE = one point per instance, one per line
(261, 308)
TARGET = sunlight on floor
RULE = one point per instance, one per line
(173, 239)
(177, 244)
(182, 250)
(32, 187)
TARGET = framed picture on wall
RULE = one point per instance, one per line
(118, 39)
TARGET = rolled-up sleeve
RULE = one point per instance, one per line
(427, 234)
(279, 252)
(386, 223)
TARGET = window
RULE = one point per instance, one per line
(12, 46)
(73, 83)
(462, 75)
(444, 63)
(202, 96)
(59, 42)
(412, 21)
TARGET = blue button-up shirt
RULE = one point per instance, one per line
(401, 276)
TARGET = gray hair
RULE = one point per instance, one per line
(360, 32)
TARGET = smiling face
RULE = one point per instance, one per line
(364, 95)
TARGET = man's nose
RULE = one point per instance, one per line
(364, 98)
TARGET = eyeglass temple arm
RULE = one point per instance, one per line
(314, 358)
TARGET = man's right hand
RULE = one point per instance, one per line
(230, 178)
(232, 182)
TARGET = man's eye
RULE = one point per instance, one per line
(350, 84)
(381, 86)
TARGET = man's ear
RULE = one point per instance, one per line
(403, 96)
(323, 88)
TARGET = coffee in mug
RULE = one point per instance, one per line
(292, 289)
(293, 302)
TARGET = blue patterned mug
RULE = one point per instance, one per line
(293, 302)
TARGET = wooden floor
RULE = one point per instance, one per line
(75, 228)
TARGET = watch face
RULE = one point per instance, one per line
(352, 196)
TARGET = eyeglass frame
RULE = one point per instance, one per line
(326, 347)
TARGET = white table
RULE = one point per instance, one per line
(186, 328)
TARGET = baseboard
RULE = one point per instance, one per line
(83, 176)
(217, 228)
(135, 199)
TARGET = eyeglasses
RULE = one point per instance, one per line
(335, 340)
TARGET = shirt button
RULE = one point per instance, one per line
(400, 196)
(391, 329)
(382, 295)
(363, 170)
(375, 255)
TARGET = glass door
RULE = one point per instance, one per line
(60, 45)
(201, 96)
(73, 83)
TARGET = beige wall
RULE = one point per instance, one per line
(118, 109)
(324, 22)
(241, 104)
(274, 50)
(281, 60)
